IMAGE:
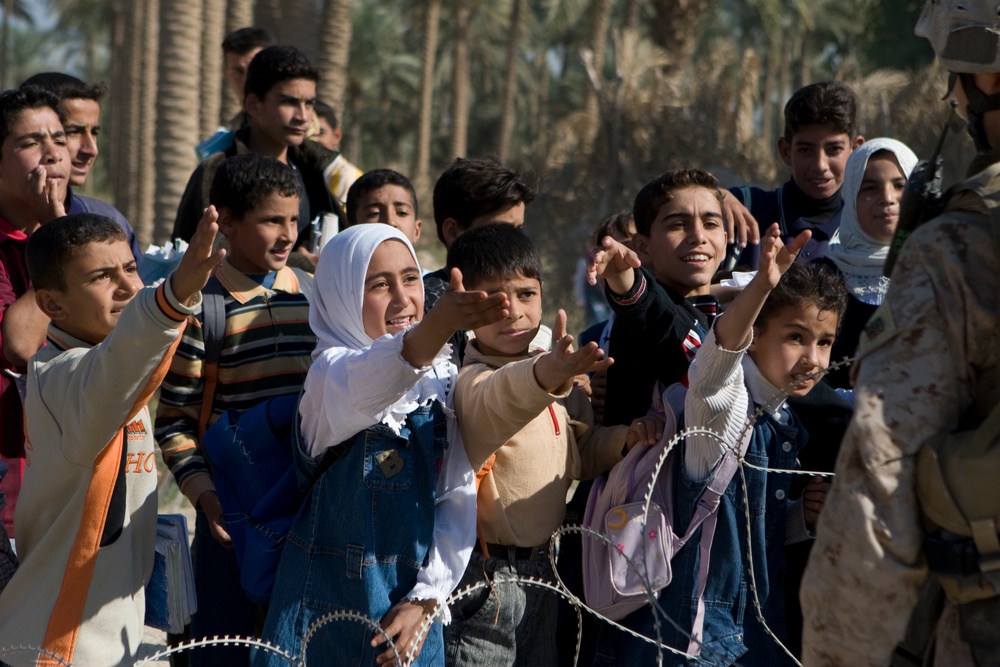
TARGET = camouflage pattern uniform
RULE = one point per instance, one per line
(928, 354)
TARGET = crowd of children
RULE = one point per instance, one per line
(442, 427)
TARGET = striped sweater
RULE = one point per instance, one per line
(266, 352)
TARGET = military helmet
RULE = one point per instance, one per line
(965, 34)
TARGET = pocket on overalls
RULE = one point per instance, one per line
(388, 461)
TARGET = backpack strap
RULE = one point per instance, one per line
(707, 513)
(213, 331)
(487, 467)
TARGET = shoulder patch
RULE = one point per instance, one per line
(879, 329)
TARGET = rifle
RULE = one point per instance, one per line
(922, 197)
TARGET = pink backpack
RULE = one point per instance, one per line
(612, 583)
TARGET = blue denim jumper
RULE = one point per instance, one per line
(731, 631)
(358, 542)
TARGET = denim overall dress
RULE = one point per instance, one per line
(357, 544)
(732, 631)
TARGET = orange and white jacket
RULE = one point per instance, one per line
(86, 516)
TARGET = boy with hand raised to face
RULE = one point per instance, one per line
(87, 509)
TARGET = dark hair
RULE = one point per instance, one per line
(324, 110)
(658, 192)
(53, 244)
(274, 65)
(13, 102)
(617, 225)
(472, 188)
(806, 284)
(243, 182)
(494, 252)
(244, 40)
(371, 181)
(67, 87)
(827, 103)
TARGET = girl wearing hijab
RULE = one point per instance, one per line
(874, 180)
(389, 523)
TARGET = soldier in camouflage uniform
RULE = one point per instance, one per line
(928, 364)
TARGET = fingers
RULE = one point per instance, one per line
(559, 328)
(798, 243)
(455, 280)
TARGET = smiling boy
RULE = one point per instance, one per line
(265, 350)
(87, 510)
(279, 96)
(664, 309)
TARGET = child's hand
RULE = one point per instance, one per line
(50, 196)
(644, 431)
(402, 623)
(614, 262)
(208, 502)
(776, 257)
(199, 261)
(741, 228)
(562, 364)
(813, 499)
(458, 310)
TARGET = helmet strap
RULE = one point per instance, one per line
(978, 104)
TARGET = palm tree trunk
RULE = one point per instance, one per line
(422, 161)
(334, 51)
(8, 9)
(300, 26)
(176, 106)
(148, 55)
(270, 15)
(510, 79)
(630, 16)
(239, 14)
(213, 26)
(460, 79)
(674, 29)
(600, 17)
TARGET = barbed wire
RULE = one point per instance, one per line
(637, 566)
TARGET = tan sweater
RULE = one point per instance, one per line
(542, 442)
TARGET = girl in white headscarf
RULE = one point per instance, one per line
(389, 523)
(874, 179)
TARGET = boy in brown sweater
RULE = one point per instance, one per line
(531, 433)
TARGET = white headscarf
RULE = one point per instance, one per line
(336, 310)
(857, 255)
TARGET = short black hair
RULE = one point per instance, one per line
(494, 252)
(324, 110)
(244, 40)
(13, 102)
(274, 65)
(67, 87)
(373, 180)
(470, 188)
(806, 284)
(826, 103)
(620, 225)
(243, 182)
(53, 244)
(661, 190)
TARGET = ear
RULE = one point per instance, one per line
(337, 135)
(450, 230)
(640, 244)
(49, 301)
(785, 151)
(227, 221)
(251, 103)
(858, 140)
(417, 226)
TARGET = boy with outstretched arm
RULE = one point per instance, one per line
(772, 343)
(531, 433)
(87, 510)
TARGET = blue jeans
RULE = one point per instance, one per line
(510, 623)
(223, 607)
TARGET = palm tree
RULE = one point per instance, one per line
(600, 18)
(213, 26)
(422, 160)
(300, 26)
(462, 12)
(176, 104)
(510, 78)
(11, 9)
(334, 51)
(239, 14)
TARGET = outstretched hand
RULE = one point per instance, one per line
(458, 310)
(562, 364)
(776, 257)
(614, 262)
(199, 260)
(741, 228)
